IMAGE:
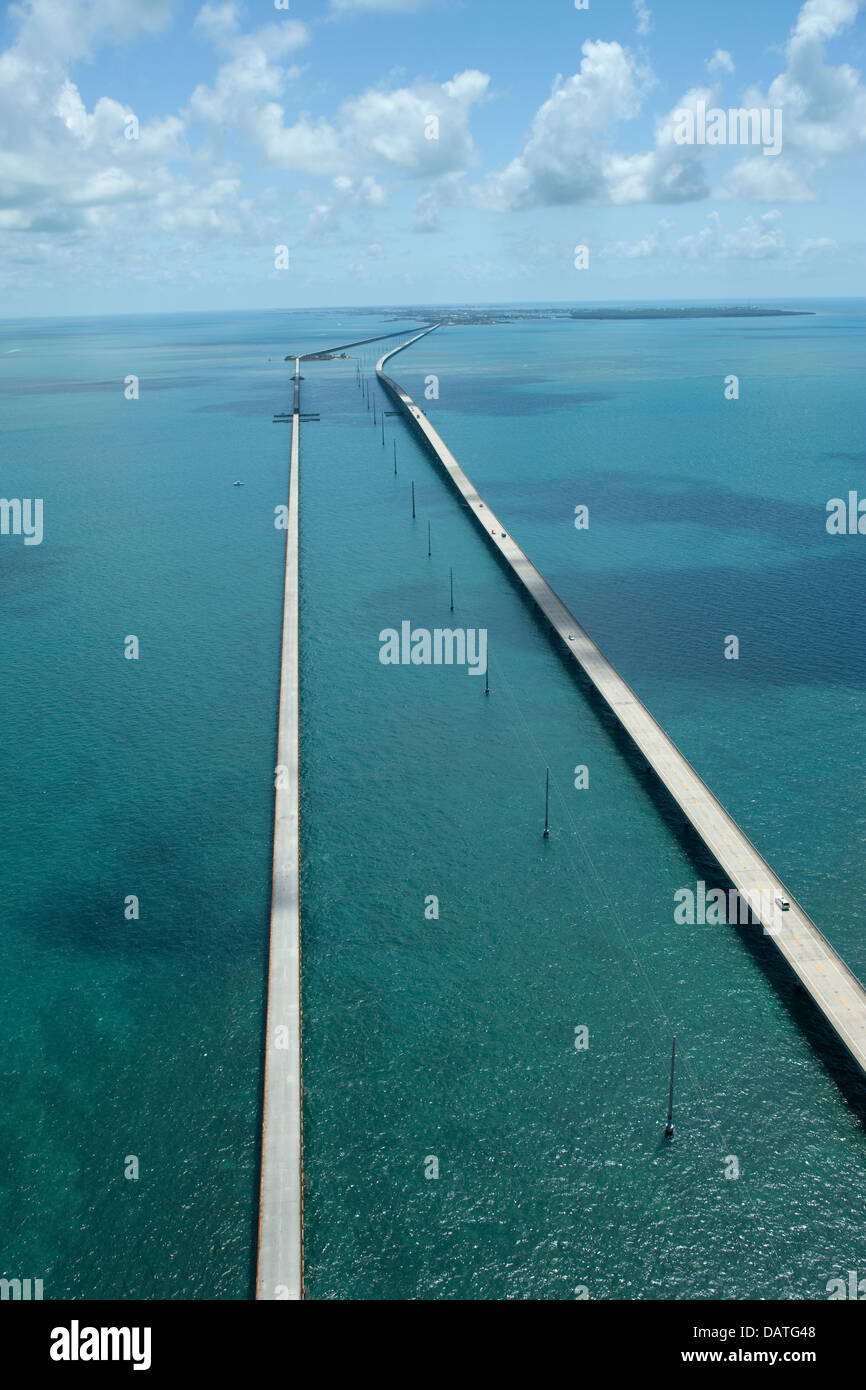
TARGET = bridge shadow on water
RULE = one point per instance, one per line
(838, 1063)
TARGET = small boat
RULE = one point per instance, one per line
(237, 484)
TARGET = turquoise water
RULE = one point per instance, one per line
(453, 1038)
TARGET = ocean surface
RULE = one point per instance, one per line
(430, 1044)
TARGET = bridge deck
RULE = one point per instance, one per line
(832, 985)
(280, 1262)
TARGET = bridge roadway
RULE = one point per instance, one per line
(822, 971)
(280, 1255)
(341, 347)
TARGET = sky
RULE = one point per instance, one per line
(159, 156)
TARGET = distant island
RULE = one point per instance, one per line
(463, 317)
(490, 317)
(426, 317)
(724, 312)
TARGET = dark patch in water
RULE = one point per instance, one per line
(59, 387)
(621, 500)
(502, 395)
(258, 409)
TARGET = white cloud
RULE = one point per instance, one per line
(381, 131)
(311, 147)
(563, 160)
(757, 239)
(566, 159)
(824, 19)
(426, 214)
(218, 23)
(74, 172)
(64, 168)
(253, 70)
(218, 209)
(443, 193)
(824, 109)
(348, 195)
(698, 245)
(669, 173)
(721, 61)
(816, 246)
(70, 180)
(643, 16)
(362, 193)
(390, 128)
(642, 249)
(61, 30)
(757, 180)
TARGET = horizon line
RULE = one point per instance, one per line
(451, 304)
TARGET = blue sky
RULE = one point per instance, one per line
(423, 151)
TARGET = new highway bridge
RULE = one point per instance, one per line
(822, 971)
